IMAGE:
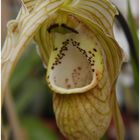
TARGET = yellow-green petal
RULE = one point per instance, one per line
(100, 12)
(20, 36)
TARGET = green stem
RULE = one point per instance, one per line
(129, 38)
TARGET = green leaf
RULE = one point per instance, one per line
(135, 75)
(36, 130)
(133, 28)
(29, 90)
(24, 67)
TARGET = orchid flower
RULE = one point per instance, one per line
(75, 41)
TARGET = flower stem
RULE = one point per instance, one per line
(12, 117)
(129, 38)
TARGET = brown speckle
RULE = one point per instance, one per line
(79, 68)
(95, 50)
(55, 49)
(66, 80)
(78, 43)
(93, 54)
(75, 83)
(68, 86)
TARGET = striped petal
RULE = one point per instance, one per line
(82, 116)
(75, 41)
(20, 33)
(29, 4)
(100, 12)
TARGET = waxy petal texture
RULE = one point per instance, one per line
(75, 41)
(20, 33)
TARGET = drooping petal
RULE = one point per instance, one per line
(9, 48)
(20, 33)
(30, 4)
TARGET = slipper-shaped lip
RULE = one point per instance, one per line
(93, 59)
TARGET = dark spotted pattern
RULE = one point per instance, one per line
(76, 44)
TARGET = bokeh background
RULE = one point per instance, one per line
(31, 99)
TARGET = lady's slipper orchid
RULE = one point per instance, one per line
(75, 41)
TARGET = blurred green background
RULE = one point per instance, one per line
(32, 100)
